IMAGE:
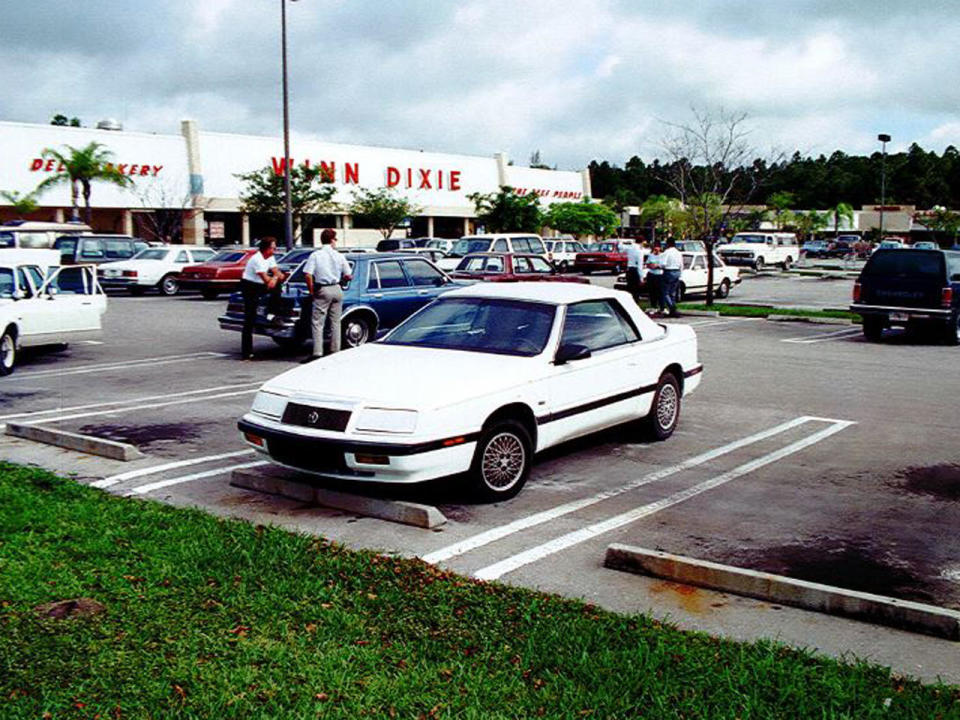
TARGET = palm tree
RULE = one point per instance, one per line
(21, 204)
(81, 167)
(843, 211)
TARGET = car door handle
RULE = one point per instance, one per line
(378, 295)
(421, 292)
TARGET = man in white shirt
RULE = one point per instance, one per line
(260, 275)
(324, 270)
(635, 269)
(672, 263)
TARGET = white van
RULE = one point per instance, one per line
(761, 248)
(37, 235)
(492, 242)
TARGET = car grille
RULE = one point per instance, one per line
(316, 417)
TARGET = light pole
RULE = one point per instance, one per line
(287, 203)
(884, 139)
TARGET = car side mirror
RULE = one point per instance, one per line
(570, 352)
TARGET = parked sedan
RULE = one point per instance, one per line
(157, 267)
(220, 273)
(602, 256)
(386, 288)
(693, 277)
(478, 382)
(510, 267)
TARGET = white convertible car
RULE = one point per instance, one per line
(478, 381)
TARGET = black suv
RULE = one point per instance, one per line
(910, 288)
(96, 249)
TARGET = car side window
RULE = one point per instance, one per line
(500, 246)
(699, 263)
(390, 275)
(521, 245)
(7, 285)
(23, 283)
(493, 265)
(596, 324)
(91, 250)
(36, 274)
(201, 255)
(539, 265)
(522, 265)
(182, 257)
(72, 281)
(118, 249)
(422, 273)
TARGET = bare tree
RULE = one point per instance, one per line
(713, 170)
(167, 204)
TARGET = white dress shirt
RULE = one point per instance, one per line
(258, 264)
(327, 266)
(671, 259)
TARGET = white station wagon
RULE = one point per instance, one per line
(478, 382)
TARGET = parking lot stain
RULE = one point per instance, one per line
(850, 564)
(690, 598)
(938, 481)
(148, 437)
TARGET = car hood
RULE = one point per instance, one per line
(396, 376)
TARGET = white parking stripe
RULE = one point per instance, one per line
(154, 469)
(497, 533)
(497, 570)
(143, 489)
(824, 337)
(130, 364)
(131, 401)
(114, 411)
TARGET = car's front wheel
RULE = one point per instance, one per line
(724, 289)
(787, 263)
(758, 264)
(664, 413)
(8, 352)
(169, 285)
(355, 332)
(502, 461)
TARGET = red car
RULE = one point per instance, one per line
(509, 267)
(219, 274)
(607, 256)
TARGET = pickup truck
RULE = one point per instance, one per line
(910, 288)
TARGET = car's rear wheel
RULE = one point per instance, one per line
(8, 352)
(169, 285)
(502, 460)
(872, 328)
(951, 335)
(356, 331)
(562, 266)
(758, 264)
(209, 293)
(724, 288)
(664, 413)
(787, 263)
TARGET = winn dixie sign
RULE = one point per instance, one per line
(130, 169)
(399, 177)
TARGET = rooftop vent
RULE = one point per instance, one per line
(109, 124)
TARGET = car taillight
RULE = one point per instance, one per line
(856, 292)
(130, 273)
(946, 297)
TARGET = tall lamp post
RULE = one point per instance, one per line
(884, 139)
(287, 202)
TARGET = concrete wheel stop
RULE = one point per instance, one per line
(901, 614)
(75, 441)
(290, 484)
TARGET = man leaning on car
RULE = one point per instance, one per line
(261, 275)
(324, 270)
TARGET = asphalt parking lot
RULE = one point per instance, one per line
(807, 452)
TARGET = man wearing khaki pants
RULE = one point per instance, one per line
(324, 270)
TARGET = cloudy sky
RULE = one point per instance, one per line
(576, 80)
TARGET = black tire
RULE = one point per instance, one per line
(169, 285)
(787, 263)
(8, 352)
(136, 290)
(758, 264)
(681, 292)
(562, 266)
(951, 334)
(872, 328)
(209, 293)
(664, 413)
(502, 460)
(724, 289)
(355, 331)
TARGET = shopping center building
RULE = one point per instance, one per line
(195, 173)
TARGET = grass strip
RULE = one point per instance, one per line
(753, 311)
(206, 617)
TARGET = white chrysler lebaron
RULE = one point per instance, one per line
(478, 382)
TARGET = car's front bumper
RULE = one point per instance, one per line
(338, 457)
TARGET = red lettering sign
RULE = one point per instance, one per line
(351, 173)
(36, 164)
(328, 172)
(393, 177)
(425, 180)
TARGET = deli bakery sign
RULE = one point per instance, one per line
(130, 169)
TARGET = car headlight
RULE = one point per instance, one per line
(269, 404)
(383, 420)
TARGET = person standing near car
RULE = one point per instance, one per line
(324, 270)
(634, 252)
(655, 278)
(260, 275)
(672, 263)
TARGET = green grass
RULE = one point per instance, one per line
(751, 311)
(211, 618)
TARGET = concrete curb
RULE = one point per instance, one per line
(75, 441)
(700, 313)
(808, 319)
(902, 614)
(278, 481)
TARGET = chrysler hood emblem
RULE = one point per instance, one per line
(313, 417)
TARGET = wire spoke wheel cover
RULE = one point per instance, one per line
(8, 353)
(667, 406)
(503, 461)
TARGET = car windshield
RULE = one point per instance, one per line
(151, 254)
(501, 327)
(750, 239)
(227, 256)
(466, 246)
(606, 247)
(905, 262)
